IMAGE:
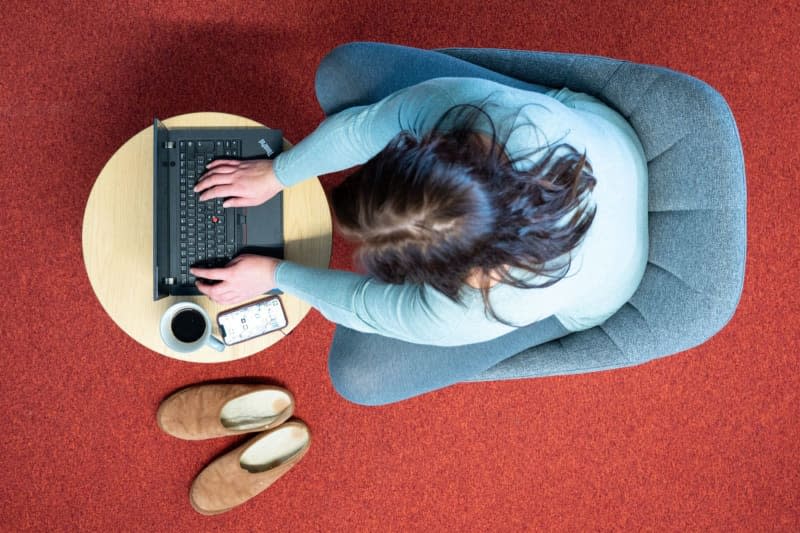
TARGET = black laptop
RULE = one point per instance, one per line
(187, 232)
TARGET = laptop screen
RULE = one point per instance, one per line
(160, 207)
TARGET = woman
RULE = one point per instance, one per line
(493, 215)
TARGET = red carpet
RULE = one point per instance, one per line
(703, 440)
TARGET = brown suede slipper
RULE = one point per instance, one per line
(208, 411)
(241, 474)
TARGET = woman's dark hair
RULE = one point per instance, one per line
(432, 210)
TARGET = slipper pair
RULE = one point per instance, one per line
(210, 411)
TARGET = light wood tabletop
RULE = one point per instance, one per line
(118, 243)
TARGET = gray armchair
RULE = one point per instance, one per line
(697, 204)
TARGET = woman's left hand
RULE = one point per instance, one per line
(245, 277)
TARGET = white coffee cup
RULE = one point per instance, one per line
(186, 327)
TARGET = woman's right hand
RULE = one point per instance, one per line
(242, 183)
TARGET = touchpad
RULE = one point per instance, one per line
(264, 228)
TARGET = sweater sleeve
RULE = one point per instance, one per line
(355, 135)
(411, 313)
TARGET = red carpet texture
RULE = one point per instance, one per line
(704, 440)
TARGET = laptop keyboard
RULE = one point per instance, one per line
(207, 235)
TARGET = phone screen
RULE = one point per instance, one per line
(251, 320)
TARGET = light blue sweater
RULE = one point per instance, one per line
(606, 268)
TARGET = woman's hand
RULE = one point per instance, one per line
(243, 183)
(245, 277)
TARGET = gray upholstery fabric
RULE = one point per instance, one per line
(697, 204)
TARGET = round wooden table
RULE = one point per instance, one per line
(118, 243)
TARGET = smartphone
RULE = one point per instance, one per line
(251, 320)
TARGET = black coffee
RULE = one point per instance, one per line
(188, 325)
